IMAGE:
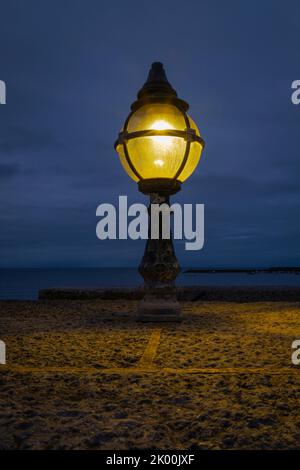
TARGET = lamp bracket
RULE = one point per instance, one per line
(189, 135)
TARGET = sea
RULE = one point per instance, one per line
(24, 284)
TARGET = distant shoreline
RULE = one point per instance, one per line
(247, 271)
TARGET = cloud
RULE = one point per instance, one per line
(17, 138)
(8, 170)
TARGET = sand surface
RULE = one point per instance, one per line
(85, 375)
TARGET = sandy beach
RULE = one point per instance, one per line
(85, 375)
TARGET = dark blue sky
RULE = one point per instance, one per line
(72, 69)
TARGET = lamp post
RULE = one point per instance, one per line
(159, 147)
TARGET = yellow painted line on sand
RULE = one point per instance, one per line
(148, 369)
(147, 358)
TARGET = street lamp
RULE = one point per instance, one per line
(159, 147)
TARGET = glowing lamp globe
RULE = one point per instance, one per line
(160, 145)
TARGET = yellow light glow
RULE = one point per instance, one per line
(161, 142)
(161, 124)
(159, 156)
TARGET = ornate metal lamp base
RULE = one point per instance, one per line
(159, 268)
(160, 304)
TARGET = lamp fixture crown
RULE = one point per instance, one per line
(157, 73)
(157, 83)
(157, 88)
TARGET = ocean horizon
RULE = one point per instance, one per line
(25, 283)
